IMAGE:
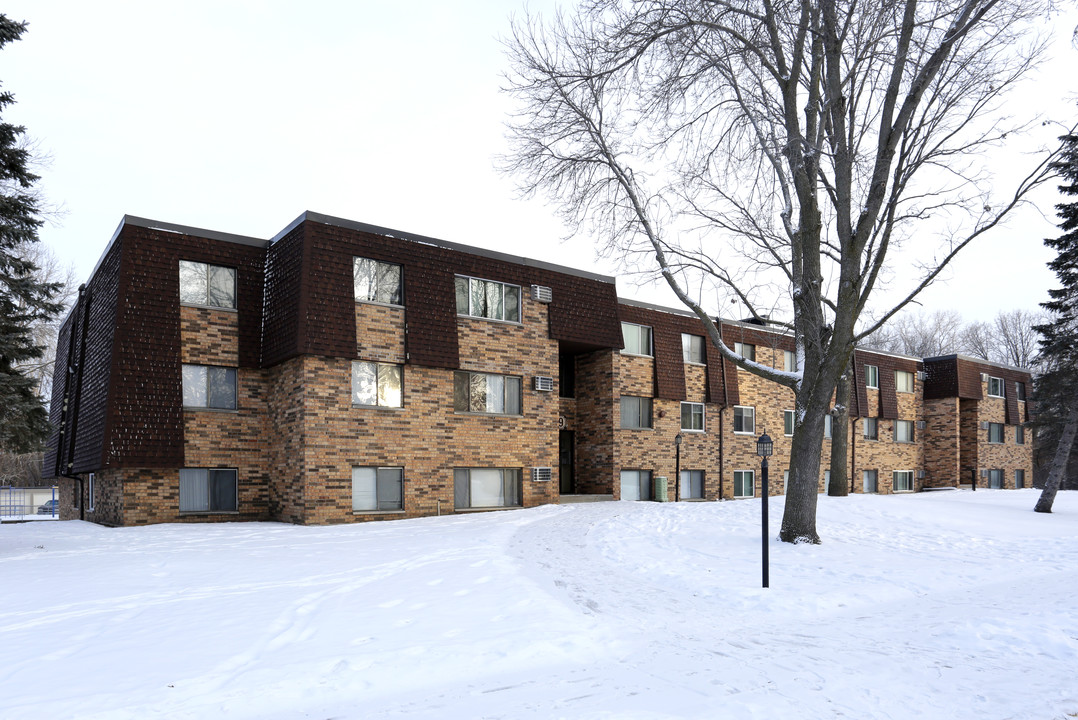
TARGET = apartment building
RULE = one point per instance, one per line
(343, 372)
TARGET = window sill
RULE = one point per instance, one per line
(377, 512)
(378, 407)
(487, 509)
(632, 354)
(196, 408)
(747, 433)
(691, 362)
(519, 323)
(211, 307)
(905, 442)
(379, 304)
(490, 415)
(870, 439)
(694, 432)
(188, 513)
(635, 428)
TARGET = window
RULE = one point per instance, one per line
(828, 425)
(692, 416)
(1020, 391)
(789, 361)
(208, 285)
(869, 480)
(637, 339)
(995, 479)
(377, 488)
(1019, 479)
(692, 484)
(376, 281)
(903, 381)
(90, 492)
(995, 387)
(636, 485)
(871, 429)
(484, 487)
(785, 481)
(207, 490)
(744, 420)
(903, 431)
(206, 386)
(902, 481)
(692, 348)
(995, 432)
(635, 412)
(377, 384)
(745, 350)
(788, 422)
(872, 376)
(488, 299)
(482, 393)
(1019, 435)
(744, 483)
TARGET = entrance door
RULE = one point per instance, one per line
(565, 462)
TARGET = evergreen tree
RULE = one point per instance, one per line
(24, 299)
(1056, 390)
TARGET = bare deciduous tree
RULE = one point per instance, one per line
(48, 269)
(919, 334)
(813, 137)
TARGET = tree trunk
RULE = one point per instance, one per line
(839, 484)
(799, 516)
(1059, 462)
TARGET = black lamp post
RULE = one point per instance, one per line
(677, 467)
(764, 448)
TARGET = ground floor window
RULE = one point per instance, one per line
(377, 488)
(692, 484)
(744, 483)
(995, 479)
(486, 487)
(203, 490)
(636, 485)
(1019, 479)
(902, 481)
(869, 480)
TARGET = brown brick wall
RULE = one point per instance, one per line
(941, 442)
(380, 332)
(594, 422)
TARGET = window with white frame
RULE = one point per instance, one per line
(995, 387)
(692, 484)
(635, 485)
(692, 348)
(485, 393)
(208, 490)
(995, 433)
(785, 481)
(692, 416)
(995, 479)
(744, 420)
(637, 339)
(872, 376)
(744, 483)
(870, 428)
(903, 381)
(1019, 479)
(207, 285)
(788, 423)
(90, 482)
(789, 361)
(828, 425)
(377, 488)
(488, 299)
(377, 384)
(902, 481)
(1020, 391)
(1019, 435)
(745, 350)
(207, 386)
(486, 487)
(376, 281)
(903, 431)
(870, 481)
(635, 412)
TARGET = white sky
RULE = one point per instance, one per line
(238, 116)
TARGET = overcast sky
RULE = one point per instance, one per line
(238, 116)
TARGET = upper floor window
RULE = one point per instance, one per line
(744, 419)
(692, 416)
(483, 393)
(872, 376)
(995, 432)
(789, 361)
(1020, 391)
(995, 387)
(635, 412)
(904, 431)
(745, 350)
(788, 422)
(376, 281)
(209, 387)
(207, 285)
(903, 381)
(488, 299)
(871, 429)
(1019, 435)
(692, 348)
(637, 338)
(377, 384)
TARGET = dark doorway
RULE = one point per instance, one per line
(565, 462)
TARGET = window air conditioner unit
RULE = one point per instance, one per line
(541, 474)
(984, 473)
(984, 426)
(921, 424)
(984, 377)
(921, 375)
(920, 474)
(543, 383)
(541, 293)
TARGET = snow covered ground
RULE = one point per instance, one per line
(935, 605)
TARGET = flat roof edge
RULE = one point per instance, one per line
(980, 361)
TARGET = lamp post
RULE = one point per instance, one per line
(677, 467)
(764, 448)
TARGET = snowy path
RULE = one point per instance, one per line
(947, 605)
